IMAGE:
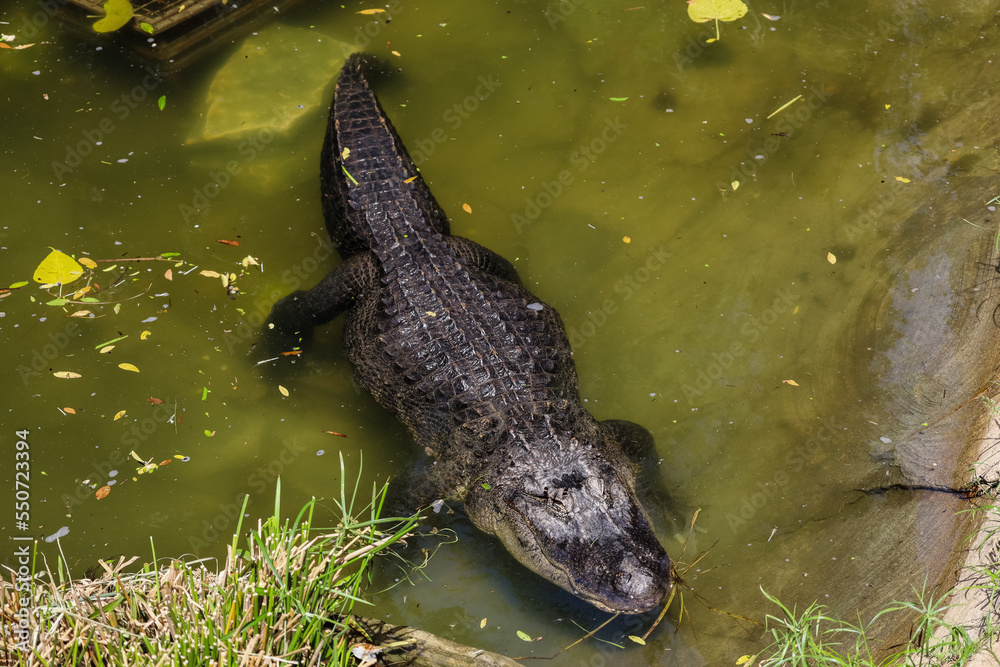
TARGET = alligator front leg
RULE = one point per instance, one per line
(293, 318)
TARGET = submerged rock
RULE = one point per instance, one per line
(279, 75)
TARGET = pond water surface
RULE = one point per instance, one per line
(793, 306)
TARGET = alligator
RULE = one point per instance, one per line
(440, 331)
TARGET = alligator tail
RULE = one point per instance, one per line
(370, 184)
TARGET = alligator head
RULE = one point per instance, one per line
(570, 513)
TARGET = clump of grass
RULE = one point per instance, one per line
(286, 598)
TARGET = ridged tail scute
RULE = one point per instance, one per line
(366, 172)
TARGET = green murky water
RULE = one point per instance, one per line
(566, 129)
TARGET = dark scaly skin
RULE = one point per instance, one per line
(478, 369)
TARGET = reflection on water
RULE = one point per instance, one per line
(630, 172)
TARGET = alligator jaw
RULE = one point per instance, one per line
(579, 524)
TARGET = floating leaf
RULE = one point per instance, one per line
(369, 12)
(523, 636)
(146, 28)
(228, 242)
(250, 260)
(169, 274)
(66, 375)
(88, 262)
(482, 623)
(210, 274)
(637, 640)
(103, 491)
(81, 313)
(106, 349)
(466, 208)
(21, 283)
(119, 415)
(154, 400)
(145, 334)
(57, 268)
(702, 11)
(136, 456)
(128, 367)
(618, 99)
(626, 239)
(830, 257)
(162, 102)
(735, 185)
(743, 659)
(209, 433)
(69, 411)
(109, 342)
(57, 302)
(116, 14)
(902, 180)
(284, 392)
(165, 462)
(791, 382)
(335, 433)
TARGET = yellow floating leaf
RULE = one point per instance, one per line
(119, 415)
(136, 456)
(69, 411)
(179, 456)
(482, 623)
(249, 261)
(81, 292)
(743, 659)
(888, 106)
(211, 274)
(80, 313)
(57, 268)
(128, 367)
(396, 53)
(66, 375)
(791, 382)
(735, 185)
(116, 14)
(626, 239)
(145, 334)
(284, 392)
(830, 257)
(637, 640)
(466, 208)
(106, 349)
(410, 179)
(369, 12)
(103, 491)
(703, 11)
(902, 180)
(88, 262)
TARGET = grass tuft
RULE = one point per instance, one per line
(283, 599)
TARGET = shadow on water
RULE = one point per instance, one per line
(630, 172)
